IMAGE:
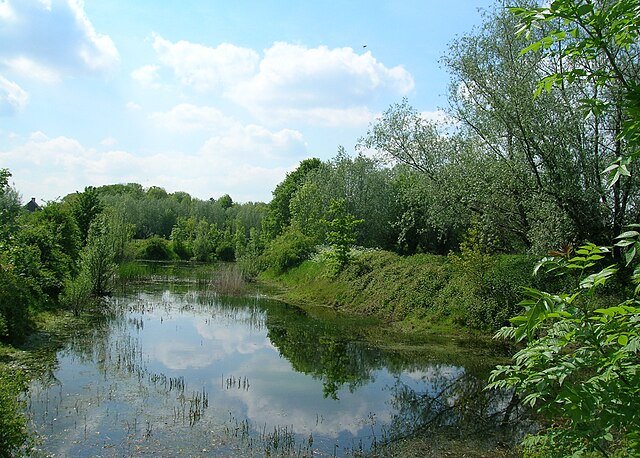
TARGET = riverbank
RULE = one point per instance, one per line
(420, 294)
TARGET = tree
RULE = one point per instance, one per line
(596, 43)
(579, 365)
(107, 235)
(341, 234)
(278, 213)
(9, 202)
(86, 206)
(363, 183)
(544, 156)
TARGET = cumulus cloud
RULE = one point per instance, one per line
(42, 39)
(319, 76)
(26, 67)
(331, 86)
(12, 97)
(246, 162)
(320, 86)
(133, 106)
(203, 67)
(147, 75)
(187, 118)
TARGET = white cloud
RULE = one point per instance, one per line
(246, 162)
(186, 118)
(109, 141)
(43, 39)
(319, 85)
(147, 75)
(26, 67)
(12, 97)
(6, 12)
(256, 144)
(205, 68)
(132, 106)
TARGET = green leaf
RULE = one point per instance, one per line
(623, 340)
(628, 234)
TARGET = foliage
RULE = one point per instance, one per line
(9, 201)
(545, 156)
(249, 261)
(225, 252)
(155, 248)
(107, 236)
(603, 32)
(13, 423)
(598, 44)
(77, 292)
(287, 250)
(85, 206)
(579, 365)
(204, 240)
(15, 299)
(278, 214)
(341, 234)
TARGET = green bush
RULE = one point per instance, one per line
(182, 250)
(15, 298)
(287, 250)
(77, 293)
(502, 289)
(155, 248)
(225, 252)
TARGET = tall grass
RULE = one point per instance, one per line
(220, 278)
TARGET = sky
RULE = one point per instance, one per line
(210, 97)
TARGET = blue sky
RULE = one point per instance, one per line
(204, 96)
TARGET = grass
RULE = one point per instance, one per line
(426, 294)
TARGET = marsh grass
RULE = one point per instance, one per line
(222, 278)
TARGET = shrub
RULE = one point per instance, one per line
(287, 250)
(15, 298)
(225, 252)
(77, 292)
(155, 248)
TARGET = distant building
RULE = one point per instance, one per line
(32, 206)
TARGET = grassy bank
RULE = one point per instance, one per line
(420, 293)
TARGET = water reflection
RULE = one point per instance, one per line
(175, 370)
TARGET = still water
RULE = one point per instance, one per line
(180, 371)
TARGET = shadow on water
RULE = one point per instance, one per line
(182, 370)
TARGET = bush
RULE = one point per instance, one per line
(287, 250)
(182, 250)
(155, 248)
(77, 293)
(225, 252)
(15, 297)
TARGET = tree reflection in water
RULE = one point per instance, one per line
(455, 403)
(438, 390)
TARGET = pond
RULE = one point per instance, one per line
(176, 370)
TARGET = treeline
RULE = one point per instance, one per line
(176, 225)
(518, 173)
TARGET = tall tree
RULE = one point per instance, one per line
(278, 214)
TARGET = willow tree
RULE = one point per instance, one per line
(553, 153)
